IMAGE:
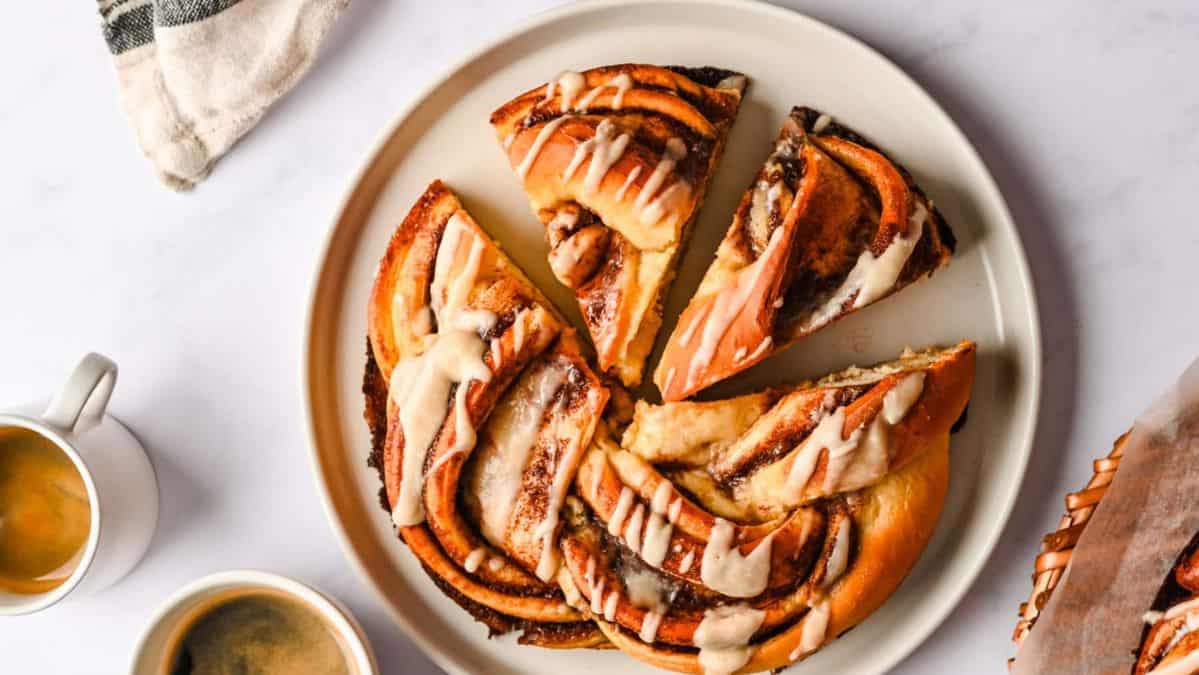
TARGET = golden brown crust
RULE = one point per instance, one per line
(523, 339)
(824, 209)
(615, 162)
(897, 517)
(888, 515)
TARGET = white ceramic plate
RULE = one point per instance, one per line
(984, 295)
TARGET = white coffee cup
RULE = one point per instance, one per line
(121, 488)
(151, 654)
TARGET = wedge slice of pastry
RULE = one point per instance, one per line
(615, 162)
(742, 535)
(481, 405)
(829, 226)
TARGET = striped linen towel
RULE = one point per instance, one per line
(195, 75)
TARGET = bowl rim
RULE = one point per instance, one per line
(334, 612)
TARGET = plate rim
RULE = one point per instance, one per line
(953, 596)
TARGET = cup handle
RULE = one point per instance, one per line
(85, 395)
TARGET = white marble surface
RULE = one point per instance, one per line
(1086, 112)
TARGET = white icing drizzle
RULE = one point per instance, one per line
(474, 559)
(464, 432)
(740, 354)
(610, 605)
(725, 570)
(724, 310)
(497, 353)
(656, 210)
(828, 434)
(570, 592)
(723, 637)
(1181, 608)
(597, 596)
(774, 194)
(623, 503)
(901, 397)
(589, 572)
(507, 143)
(685, 564)
(495, 564)
(543, 135)
(501, 483)
(519, 325)
(813, 632)
(624, 187)
(872, 277)
(661, 500)
(762, 347)
(569, 83)
(632, 531)
(604, 148)
(764, 199)
(563, 474)
(420, 386)
(452, 283)
(656, 541)
(863, 463)
(676, 507)
(621, 83)
(689, 331)
(821, 124)
(647, 535)
(864, 453)
(839, 557)
(650, 624)
(675, 150)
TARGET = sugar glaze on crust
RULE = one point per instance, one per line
(829, 226)
(615, 162)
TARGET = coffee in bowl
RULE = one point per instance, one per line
(256, 630)
(45, 513)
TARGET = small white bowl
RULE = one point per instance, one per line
(149, 655)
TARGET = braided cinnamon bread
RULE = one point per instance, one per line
(722, 536)
(1057, 546)
(741, 535)
(1171, 643)
(615, 162)
(829, 225)
(481, 404)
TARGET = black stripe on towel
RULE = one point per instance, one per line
(130, 29)
(179, 12)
